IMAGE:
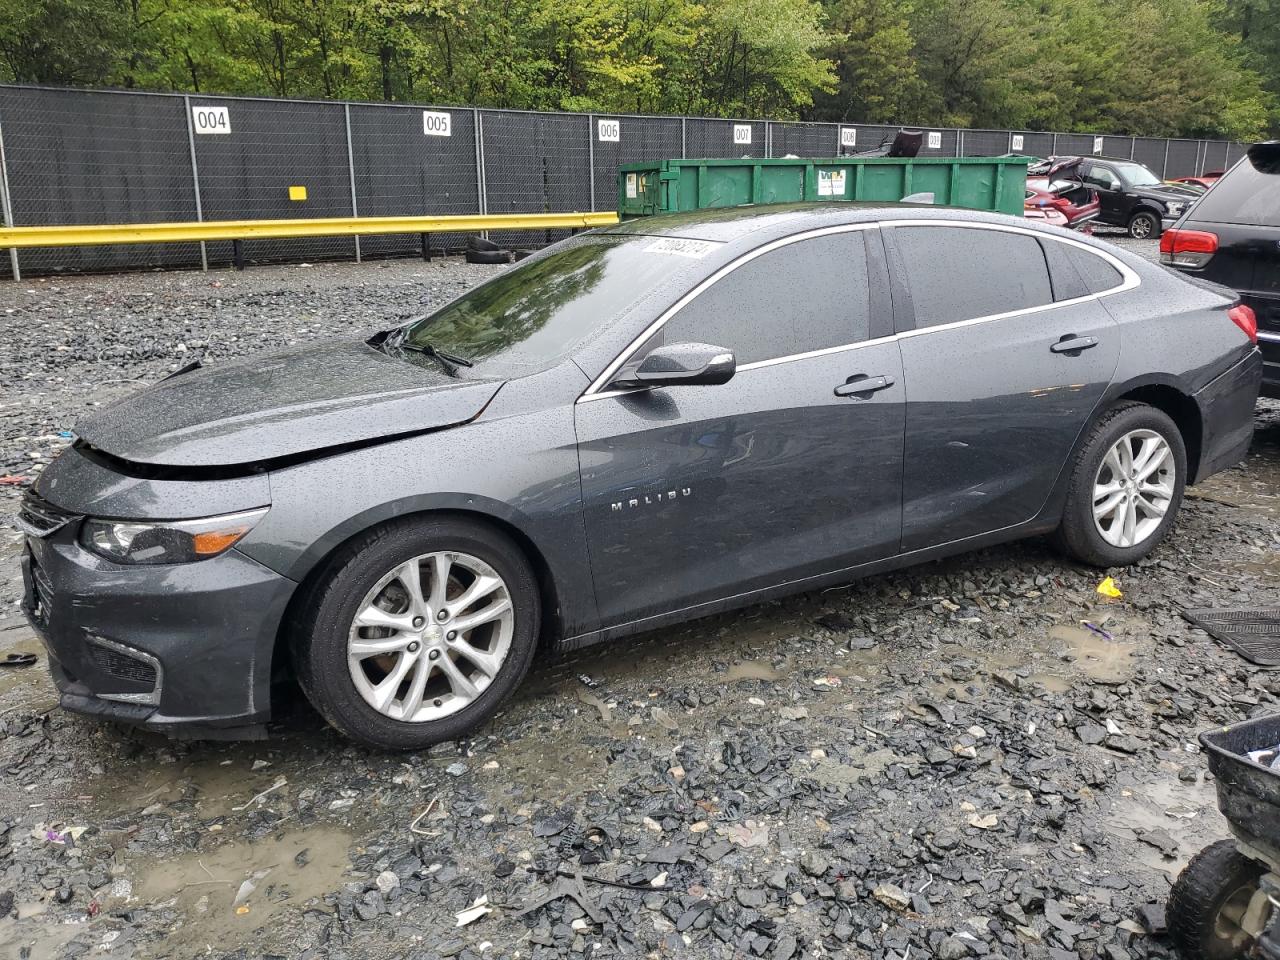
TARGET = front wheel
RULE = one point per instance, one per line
(1209, 901)
(1125, 488)
(418, 632)
(1144, 225)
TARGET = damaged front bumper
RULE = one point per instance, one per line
(188, 646)
(182, 648)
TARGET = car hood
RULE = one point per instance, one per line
(1166, 194)
(281, 405)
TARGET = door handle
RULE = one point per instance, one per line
(1073, 344)
(861, 384)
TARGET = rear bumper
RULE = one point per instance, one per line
(1226, 415)
(183, 649)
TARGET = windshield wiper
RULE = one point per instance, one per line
(397, 340)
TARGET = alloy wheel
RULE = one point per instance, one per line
(1141, 228)
(1134, 488)
(430, 636)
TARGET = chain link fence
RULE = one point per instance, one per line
(70, 156)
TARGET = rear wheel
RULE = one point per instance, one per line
(1125, 488)
(419, 631)
(1209, 900)
(1144, 225)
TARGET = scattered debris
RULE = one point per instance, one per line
(1107, 588)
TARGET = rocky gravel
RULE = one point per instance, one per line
(981, 757)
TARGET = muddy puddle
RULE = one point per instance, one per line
(1162, 811)
(1107, 661)
(225, 893)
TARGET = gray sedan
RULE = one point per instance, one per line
(635, 427)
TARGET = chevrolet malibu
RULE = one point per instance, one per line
(635, 427)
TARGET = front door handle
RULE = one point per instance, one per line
(1073, 344)
(861, 384)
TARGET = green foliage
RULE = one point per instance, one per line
(1162, 67)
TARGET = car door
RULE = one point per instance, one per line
(1003, 369)
(697, 493)
(1113, 204)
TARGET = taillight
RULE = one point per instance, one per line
(1244, 318)
(1187, 248)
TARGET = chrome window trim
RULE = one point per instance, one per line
(592, 391)
(1129, 281)
(1269, 336)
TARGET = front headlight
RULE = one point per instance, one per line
(167, 541)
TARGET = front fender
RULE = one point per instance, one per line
(521, 471)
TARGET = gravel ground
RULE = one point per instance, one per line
(939, 762)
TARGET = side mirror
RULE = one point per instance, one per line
(679, 364)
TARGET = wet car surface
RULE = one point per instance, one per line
(691, 413)
(814, 749)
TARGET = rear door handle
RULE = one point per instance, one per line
(1073, 344)
(862, 384)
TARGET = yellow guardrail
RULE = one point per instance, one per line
(84, 235)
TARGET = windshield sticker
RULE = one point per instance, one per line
(681, 247)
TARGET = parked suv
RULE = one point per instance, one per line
(1133, 197)
(1232, 236)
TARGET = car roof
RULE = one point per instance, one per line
(761, 222)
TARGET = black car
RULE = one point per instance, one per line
(638, 426)
(1133, 197)
(1232, 236)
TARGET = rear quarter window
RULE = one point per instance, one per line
(1098, 275)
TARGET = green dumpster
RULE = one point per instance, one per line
(662, 186)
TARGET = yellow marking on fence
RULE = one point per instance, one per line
(297, 193)
(84, 235)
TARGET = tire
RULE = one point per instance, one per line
(1144, 225)
(1099, 542)
(370, 572)
(480, 243)
(488, 256)
(1218, 877)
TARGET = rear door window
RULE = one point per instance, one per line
(962, 273)
(1248, 194)
(803, 296)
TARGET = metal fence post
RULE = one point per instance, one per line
(351, 169)
(1133, 147)
(959, 142)
(768, 139)
(6, 208)
(195, 179)
(477, 125)
(1164, 167)
(591, 158)
(684, 147)
(1053, 149)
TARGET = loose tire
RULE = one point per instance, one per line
(417, 632)
(487, 256)
(1207, 901)
(1144, 225)
(1125, 488)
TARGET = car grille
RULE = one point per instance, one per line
(38, 517)
(121, 665)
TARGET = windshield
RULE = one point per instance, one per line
(535, 313)
(1136, 175)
